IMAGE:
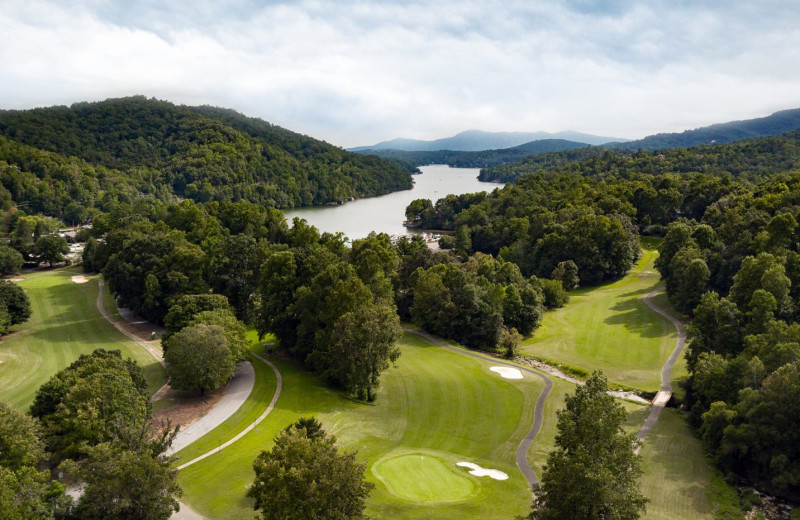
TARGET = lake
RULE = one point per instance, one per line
(385, 214)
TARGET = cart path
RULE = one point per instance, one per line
(665, 393)
(235, 395)
(522, 450)
(275, 396)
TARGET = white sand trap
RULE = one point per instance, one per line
(80, 279)
(483, 472)
(16, 279)
(507, 372)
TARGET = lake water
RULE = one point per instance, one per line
(385, 214)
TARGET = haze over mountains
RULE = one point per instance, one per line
(477, 140)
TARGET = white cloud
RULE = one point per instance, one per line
(359, 72)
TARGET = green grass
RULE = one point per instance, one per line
(64, 324)
(610, 328)
(436, 403)
(677, 478)
(423, 476)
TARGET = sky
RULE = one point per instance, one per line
(356, 72)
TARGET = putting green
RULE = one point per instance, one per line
(423, 477)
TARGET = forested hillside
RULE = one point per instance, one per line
(721, 133)
(737, 271)
(751, 159)
(100, 154)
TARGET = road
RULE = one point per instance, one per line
(522, 450)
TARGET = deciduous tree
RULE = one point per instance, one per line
(304, 476)
(593, 471)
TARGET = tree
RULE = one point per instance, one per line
(593, 471)
(51, 249)
(25, 492)
(567, 272)
(183, 310)
(304, 476)
(11, 261)
(126, 485)
(362, 346)
(235, 330)
(199, 358)
(90, 402)
(16, 302)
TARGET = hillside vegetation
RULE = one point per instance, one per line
(92, 156)
(751, 159)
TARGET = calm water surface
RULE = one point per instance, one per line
(385, 214)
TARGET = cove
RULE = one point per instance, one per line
(385, 214)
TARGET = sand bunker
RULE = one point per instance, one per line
(80, 279)
(483, 472)
(15, 279)
(507, 372)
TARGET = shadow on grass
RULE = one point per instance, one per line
(629, 313)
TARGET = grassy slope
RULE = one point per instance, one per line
(435, 404)
(610, 327)
(65, 323)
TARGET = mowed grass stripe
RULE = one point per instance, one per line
(611, 328)
(435, 401)
(676, 478)
(65, 324)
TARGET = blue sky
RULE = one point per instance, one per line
(357, 73)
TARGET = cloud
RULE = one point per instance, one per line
(359, 72)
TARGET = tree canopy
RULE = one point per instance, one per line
(593, 472)
(304, 476)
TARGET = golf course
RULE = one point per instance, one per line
(611, 328)
(64, 324)
(440, 440)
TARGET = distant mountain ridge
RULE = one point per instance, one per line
(721, 133)
(481, 159)
(477, 140)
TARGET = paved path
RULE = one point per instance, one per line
(236, 394)
(663, 396)
(255, 423)
(522, 450)
(156, 353)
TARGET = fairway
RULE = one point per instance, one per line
(610, 328)
(439, 405)
(64, 324)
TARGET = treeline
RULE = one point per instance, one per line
(67, 161)
(737, 271)
(594, 221)
(332, 307)
(751, 159)
(481, 159)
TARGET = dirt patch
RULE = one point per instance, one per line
(80, 279)
(185, 408)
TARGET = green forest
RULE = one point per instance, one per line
(73, 162)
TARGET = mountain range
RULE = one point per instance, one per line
(477, 140)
